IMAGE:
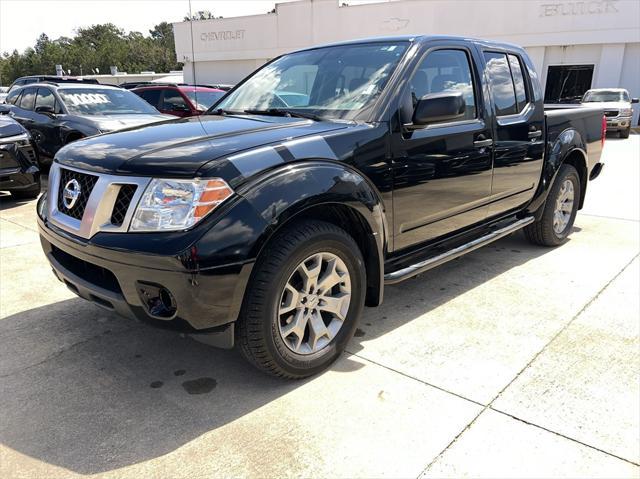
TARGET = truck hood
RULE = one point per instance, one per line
(110, 123)
(608, 105)
(180, 148)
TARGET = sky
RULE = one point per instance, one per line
(22, 21)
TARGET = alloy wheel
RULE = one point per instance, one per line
(564, 207)
(314, 303)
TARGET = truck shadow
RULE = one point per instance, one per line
(91, 392)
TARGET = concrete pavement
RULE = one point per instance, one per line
(513, 361)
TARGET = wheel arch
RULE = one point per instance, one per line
(568, 148)
(325, 191)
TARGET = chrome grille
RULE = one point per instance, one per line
(106, 202)
(87, 182)
(121, 206)
(610, 113)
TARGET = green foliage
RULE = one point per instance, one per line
(94, 50)
(200, 15)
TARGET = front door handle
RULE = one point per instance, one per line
(535, 134)
(483, 143)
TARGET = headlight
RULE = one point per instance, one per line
(626, 112)
(21, 138)
(169, 205)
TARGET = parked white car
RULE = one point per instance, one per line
(3, 93)
(616, 104)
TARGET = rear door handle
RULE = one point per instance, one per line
(535, 134)
(483, 143)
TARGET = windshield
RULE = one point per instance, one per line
(333, 82)
(203, 99)
(602, 96)
(97, 101)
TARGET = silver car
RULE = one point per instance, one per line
(616, 104)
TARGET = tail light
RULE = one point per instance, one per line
(604, 129)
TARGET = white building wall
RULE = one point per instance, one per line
(630, 75)
(605, 33)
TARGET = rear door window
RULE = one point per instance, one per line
(518, 82)
(27, 99)
(504, 96)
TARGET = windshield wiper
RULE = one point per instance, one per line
(220, 111)
(285, 112)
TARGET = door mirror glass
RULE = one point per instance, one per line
(439, 107)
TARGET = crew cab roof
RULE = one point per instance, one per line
(421, 38)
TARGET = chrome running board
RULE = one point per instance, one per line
(414, 269)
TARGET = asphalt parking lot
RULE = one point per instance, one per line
(513, 361)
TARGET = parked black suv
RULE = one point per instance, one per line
(326, 174)
(28, 80)
(19, 173)
(56, 114)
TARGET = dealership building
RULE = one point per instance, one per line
(575, 45)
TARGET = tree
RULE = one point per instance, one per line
(95, 47)
(200, 15)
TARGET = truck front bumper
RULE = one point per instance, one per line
(161, 294)
(618, 123)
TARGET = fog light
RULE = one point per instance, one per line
(157, 300)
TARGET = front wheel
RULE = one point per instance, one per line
(560, 210)
(625, 133)
(304, 300)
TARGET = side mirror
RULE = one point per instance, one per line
(47, 110)
(439, 107)
(635, 100)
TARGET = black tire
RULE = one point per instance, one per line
(27, 193)
(625, 133)
(258, 335)
(542, 232)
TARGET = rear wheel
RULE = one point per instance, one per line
(625, 133)
(304, 301)
(560, 210)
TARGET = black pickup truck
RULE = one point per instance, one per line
(271, 221)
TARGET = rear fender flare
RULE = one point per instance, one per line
(568, 144)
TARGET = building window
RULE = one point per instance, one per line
(567, 83)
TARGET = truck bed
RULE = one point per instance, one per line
(585, 119)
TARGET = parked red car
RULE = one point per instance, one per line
(179, 100)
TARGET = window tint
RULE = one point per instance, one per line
(45, 98)
(173, 101)
(152, 96)
(27, 99)
(504, 97)
(518, 82)
(442, 71)
(12, 96)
